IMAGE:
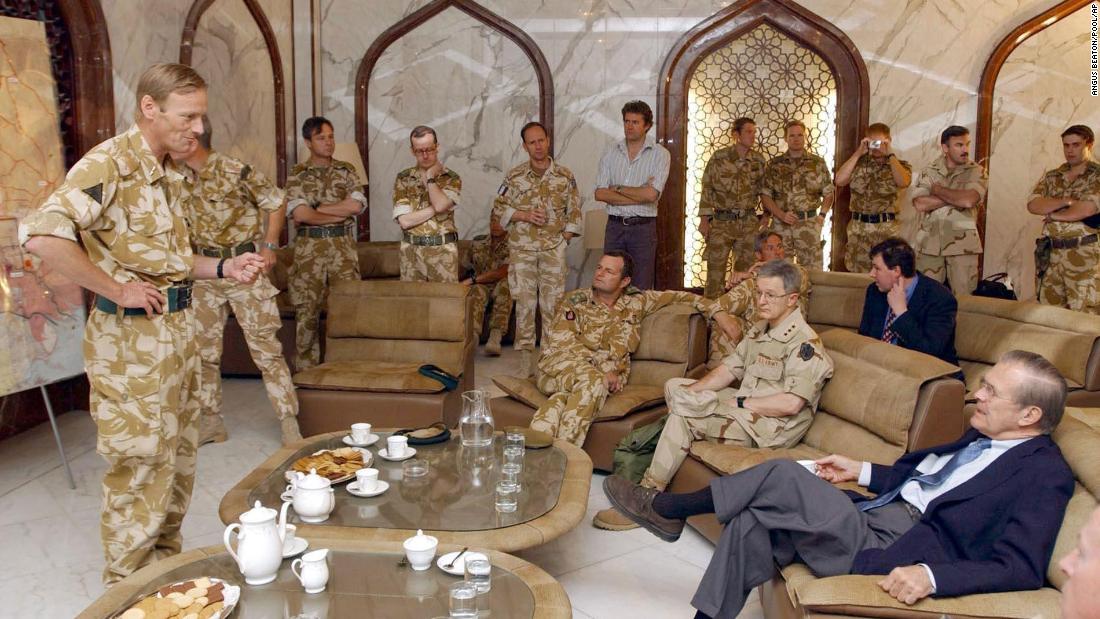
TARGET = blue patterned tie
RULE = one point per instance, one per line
(963, 456)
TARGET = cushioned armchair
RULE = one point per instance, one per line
(379, 334)
(673, 344)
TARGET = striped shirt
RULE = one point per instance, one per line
(616, 168)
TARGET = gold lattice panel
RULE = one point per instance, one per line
(770, 78)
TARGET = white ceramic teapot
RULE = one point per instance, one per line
(312, 496)
(259, 543)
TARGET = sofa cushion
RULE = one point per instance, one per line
(618, 405)
(664, 335)
(379, 259)
(837, 299)
(367, 376)
(383, 309)
(861, 596)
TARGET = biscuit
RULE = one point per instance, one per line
(148, 605)
(183, 601)
(203, 583)
(209, 611)
(214, 596)
(193, 609)
(133, 613)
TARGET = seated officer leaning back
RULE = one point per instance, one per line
(324, 196)
(782, 366)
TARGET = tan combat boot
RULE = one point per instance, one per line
(212, 429)
(526, 362)
(492, 345)
(611, 520)
(291, 433)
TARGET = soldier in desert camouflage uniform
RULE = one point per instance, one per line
(948, 195)
(223, 201)
(488, 278)
(139, 349)
(424, 199)
(1068, 198)
(727, 207)
(587, 353)
(877, 178)
(798, 193)
(324, 196)
(540, 206)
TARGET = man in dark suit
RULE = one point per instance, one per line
(904, 308)
(979, 515)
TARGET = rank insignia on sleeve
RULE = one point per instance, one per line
(503, 189)
(569, 315)
(806, 351)
(95, 193)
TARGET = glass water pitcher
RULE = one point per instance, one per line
(476, 424)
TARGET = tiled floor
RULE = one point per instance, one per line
(49, 534)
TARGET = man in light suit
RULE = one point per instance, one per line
(979, 515)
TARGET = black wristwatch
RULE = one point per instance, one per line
(221, 266)
(740, 401)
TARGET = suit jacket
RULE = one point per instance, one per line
(994, 533)
(928, 326)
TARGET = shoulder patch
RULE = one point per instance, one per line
(806, 351)
(246, 171)
(95, 192)
(503, 189)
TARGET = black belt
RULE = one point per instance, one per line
(1077, 241)
(877, 218)
(179, 298)
(804, 215)
(730, 215)
(631, 221)
(225, 252)
(431, 239)
(323, 232)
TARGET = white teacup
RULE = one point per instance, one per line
(420, 550)
(312, 570)
(367, 479)
(360, 432)
(396, 446)
(288, 541)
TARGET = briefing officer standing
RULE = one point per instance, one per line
(139, 347)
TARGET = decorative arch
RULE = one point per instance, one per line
(717, 31)
(988, 84)
(187, 41)
(422, 15)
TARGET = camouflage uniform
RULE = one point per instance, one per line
(489, 254)
(587, 341)
(143, 372)
(536, 254)
(437, 262)
(874, 192)
(1072, 279)
(947, 243)
(740, 303)
(319, 259)
(223, 204)
(787, 359)
(799, 185)
(731, 188)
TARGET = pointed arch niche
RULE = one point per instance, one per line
(807, 30)
(470, 74)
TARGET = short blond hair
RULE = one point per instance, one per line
(161, 80)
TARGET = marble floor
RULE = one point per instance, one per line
(49, 534)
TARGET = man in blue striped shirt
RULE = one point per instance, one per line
(631, 177)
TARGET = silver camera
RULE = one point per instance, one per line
(875, 144)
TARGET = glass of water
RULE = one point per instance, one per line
(513, 466)
(463, 599)
(506, 496)
(479, 574)
(514, 438)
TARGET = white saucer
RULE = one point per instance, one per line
(459, 568)
(385, 454)
(350, 442)
(353, 488)
(300, 545)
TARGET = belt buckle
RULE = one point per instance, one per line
(183, 297)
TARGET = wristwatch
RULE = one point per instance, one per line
(740, 401)
(430, 181)
(270, 245)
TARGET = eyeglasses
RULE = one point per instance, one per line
(991, 392)
(419, 152)
(769, 297)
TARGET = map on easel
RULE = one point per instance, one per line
(41, 312)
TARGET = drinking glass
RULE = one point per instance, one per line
(479, 574)
(463, 599)
(514, 438)
(506, 500)
(513, 465)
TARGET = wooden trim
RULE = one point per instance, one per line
(187, 41)
(422, 15)
(988, 85)
(717, 31)
(93, 99)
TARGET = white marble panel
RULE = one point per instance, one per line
(280, 16)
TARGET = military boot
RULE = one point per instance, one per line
(492, 345)
(291, 433)
(611, 519)
(212, 429)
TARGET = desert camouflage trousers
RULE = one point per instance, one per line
(495, 298)
(737, 236)
(710, 415)
(256, 312)
(803, 241)
(576, 395)
(536, 278)
(1072, 279)
(144, 378)
(429, 263)
(316, 263)
(961, 271)
(861, 238)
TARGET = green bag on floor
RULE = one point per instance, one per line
(634, 453)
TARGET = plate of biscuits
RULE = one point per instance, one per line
(336, 465)
(198, 598)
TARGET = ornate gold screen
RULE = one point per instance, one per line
(767, 76)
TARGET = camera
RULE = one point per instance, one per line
(874, 144)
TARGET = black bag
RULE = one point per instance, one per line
(994, 287)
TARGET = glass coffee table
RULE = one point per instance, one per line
(366, 580)
(453, 502)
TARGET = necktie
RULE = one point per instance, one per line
(888, 334)
(963, 456)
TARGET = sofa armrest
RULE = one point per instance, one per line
(938, 417)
